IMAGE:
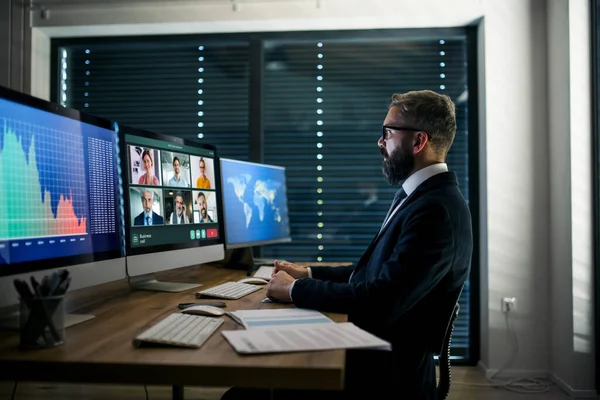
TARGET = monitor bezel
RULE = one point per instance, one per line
(80, 116)
(260, 242)
(135, 251)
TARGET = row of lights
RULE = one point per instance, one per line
(442, 64)
(319, 135)
(63, 78)
(200, 91)
(87, 73)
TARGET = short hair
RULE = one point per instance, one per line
(431, 112)
(146, 191)
(201, 194)
(179, 194)
(176, 159)
(202, 161)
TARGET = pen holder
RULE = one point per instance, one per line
(42, 322)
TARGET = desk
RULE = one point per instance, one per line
(101, 350)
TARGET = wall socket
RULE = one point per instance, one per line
(508, 303)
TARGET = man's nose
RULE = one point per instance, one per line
(380, 143)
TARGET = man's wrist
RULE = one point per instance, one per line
(309, 271)
(292, 288)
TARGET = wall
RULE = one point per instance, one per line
(535, 177)
(15, 45)
(581, 192)
(517, 181)
(571, 262)
(561, 254)
(40, 65)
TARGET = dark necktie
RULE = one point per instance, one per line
(148, 220)
(398, 197)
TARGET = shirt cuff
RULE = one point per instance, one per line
(291, 288)
(309, 272)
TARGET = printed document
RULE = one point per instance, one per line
(295, 338)
(269, 318)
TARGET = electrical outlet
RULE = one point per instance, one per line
(508, 303)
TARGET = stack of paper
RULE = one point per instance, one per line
(292, 330)
(251, 319)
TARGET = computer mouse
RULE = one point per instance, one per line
(210, 311)
(254, 281)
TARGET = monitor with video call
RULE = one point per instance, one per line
(59, 195)
(172, 204)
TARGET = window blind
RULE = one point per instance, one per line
(325, 102)
(186, 88)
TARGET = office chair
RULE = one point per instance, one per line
(443, 386)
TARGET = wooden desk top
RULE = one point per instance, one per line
(101, 350)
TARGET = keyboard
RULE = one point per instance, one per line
(229, 290)
(182, 330)
(264, 272)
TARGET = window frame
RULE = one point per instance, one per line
(256, 123)
(595, 101)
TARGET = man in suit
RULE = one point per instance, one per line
(403, 287)
(148, 216)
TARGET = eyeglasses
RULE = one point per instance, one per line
(385, 134)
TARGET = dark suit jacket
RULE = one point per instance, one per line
(156, 219)
(401, 289)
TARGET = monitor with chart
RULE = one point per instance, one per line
(172, 206)
(255, 203)
(59, 194)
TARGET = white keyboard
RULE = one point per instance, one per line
(180, 330)
(264, 272)
(229, 290)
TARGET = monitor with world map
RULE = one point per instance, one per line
(255, 203)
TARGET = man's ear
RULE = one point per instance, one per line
(420, 140)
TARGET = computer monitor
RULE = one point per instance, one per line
(59, 195)
(256, 213)
(172, 206)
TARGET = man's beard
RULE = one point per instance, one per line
(398, 166)
(203, 212)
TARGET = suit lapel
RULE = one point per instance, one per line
(436, 180)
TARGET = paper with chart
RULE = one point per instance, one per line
(296, 338)
(269, 318)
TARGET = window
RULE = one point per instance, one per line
(187, 88)
(313, 102)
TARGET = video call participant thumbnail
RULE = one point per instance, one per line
(203, 172)
(150, 202)
(175, 169)
(205, 207)
(179, 207)
(143, 169)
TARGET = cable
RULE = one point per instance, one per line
(146, 390)
(14, 392)
(519, 385)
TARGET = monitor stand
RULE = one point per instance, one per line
(149, 282)
(240, 258)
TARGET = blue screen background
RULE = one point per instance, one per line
(56, 157)
(258, 187)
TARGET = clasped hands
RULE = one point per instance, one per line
(284, 274)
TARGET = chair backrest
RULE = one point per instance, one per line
(444, 382)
